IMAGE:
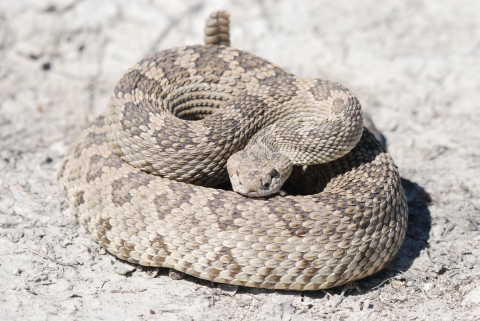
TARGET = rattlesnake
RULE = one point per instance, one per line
(142, 174)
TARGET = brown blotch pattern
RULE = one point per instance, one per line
(141, 174)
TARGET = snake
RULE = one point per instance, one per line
(217, 163)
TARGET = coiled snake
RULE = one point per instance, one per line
(142, 174)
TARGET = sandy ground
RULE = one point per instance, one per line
(414, 65)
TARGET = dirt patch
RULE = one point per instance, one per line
(413, 65)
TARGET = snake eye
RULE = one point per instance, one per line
(273, 173)
(267, 180)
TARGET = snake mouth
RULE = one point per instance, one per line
(247, 193)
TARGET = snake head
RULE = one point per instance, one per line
(256, 173)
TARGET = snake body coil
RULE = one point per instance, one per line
(141, 174)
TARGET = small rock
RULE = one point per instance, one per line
(228, 289)
(437, 231)
(15, 236)
(473, 297)
(14, 271)
(367, 305)
(428, 286)
(39, 232)
(123, 269)
(287, 307)
(397, 284)
(66, 242)
(60, 286)
(71, 306)
(242, 304)
(58, 149)
(151, 272)
(202, 303)
(287, 317)
(377, 306)
(437, 292)
(358, 306)
(20, 195)
(86, 289)
(176, 275)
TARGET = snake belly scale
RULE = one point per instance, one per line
(142, 175)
